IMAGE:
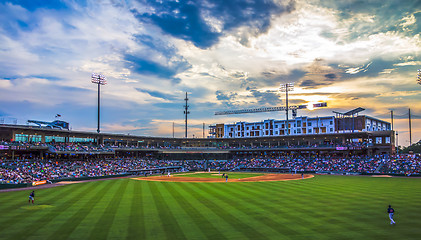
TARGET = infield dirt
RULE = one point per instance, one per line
(264, 178)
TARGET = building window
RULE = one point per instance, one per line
(53, 138)
(74, 139)
(331, 129)
(35, 138)
(331, 122)
(21, 137)
(309, 124)
(309, 130)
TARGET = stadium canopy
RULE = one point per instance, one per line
(352, 112)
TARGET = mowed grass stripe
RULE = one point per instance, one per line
(62, 211)
(195, 219)
(225, 211)
(68, 226)
(290, 207)
(170, 224)
(136, 227)
(21, 194)
(336, 207)
(42, 196)
(118, 230)
(330, 202)
(269, 213)
(88, 223)
(283, 203)
(269, 210)
(153, 223)
(47, 215)
(104, 223)
(211, 214)
(318, 222)
(244, 210)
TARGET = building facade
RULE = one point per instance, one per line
(299, 126)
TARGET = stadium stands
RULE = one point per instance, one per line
(29, 170)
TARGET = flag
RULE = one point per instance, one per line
(58, 115)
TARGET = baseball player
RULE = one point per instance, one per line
(391, 211)
(31, 197)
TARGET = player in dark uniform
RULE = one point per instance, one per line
(31, 197)
(391, 211)
(226, 177)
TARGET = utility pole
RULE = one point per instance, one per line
(203, 133)
(186, 112)
(410, 128)
(172, 129)
(286, 88)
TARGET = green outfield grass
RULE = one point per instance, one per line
(231, 175)
(324, 207)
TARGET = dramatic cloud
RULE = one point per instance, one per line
(204, 22)
(225, 54)
(157, 94)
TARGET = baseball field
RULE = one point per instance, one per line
(319, 207)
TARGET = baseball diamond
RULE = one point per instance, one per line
(210, 120)
(322, 207)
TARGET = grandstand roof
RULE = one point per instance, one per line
(354, 111)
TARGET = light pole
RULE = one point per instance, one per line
(419, 77)
(98, 79)
(397, 143)
(286, 88)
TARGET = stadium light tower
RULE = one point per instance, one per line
(98, 79)
(287, 87)
(419, 77)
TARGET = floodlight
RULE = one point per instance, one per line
(287, 87)
(99, 79)
(419, 77)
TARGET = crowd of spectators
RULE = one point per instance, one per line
(29, 170)
(77, 147)
(109, 148)
(354, 164)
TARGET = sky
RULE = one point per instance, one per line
(226, 54)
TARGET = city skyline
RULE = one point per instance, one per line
(226, 54)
